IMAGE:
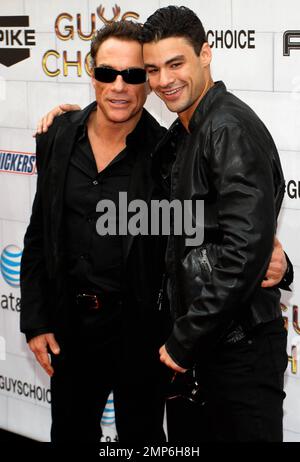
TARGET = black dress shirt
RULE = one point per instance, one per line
(94, 261)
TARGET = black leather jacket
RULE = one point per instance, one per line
(229, 160)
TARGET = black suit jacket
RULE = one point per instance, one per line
(43, 281)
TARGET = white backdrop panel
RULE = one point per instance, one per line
(33, 420)
(43, 14)
(3, 407)
(280, 113)
(266, 15)
(214, 14)
(12, 188)
(247, 77)
(16, 139)
(43, 96)
(14, 109)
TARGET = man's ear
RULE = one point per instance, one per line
(93, 77)
(205, 54)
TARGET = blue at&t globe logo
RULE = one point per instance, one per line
(108, 417)
(10, 263)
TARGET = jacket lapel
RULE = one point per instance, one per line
(146, 136)
(141, 187)
(62, 149)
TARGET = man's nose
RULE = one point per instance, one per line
(166, 78)
(119, 83)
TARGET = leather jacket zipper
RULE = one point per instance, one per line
(204, 261)
(161, 293)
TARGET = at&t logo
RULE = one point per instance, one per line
(108, 416)
(10, 263)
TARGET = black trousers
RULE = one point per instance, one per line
(97, 360)
(242, 386)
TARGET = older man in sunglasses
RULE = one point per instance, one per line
(92, 301)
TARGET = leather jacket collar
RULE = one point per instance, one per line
(204, 105)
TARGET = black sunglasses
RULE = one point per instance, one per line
(134, 75)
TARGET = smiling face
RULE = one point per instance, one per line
(176, 74)
(118, 101)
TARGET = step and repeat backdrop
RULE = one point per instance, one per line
(44, 51)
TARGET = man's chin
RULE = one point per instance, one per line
(120, 117)
(174, 106)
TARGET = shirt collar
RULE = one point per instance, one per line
(134, 138)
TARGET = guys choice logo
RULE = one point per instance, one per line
(292, 189)
(68, 27)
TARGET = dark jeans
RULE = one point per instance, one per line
(242, 385)
(97, 361)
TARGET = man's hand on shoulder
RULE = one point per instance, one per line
(40, 346)
(47, 120)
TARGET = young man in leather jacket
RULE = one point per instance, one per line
(226, 325)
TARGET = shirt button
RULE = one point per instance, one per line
(95, 182)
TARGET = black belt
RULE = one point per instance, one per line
(94, 302)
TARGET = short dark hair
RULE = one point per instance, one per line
(124, 30)
(175, 21)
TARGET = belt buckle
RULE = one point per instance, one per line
(89, 301)
(235, 335)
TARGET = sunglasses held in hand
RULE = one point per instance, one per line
(132, 75)
(187, 387)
